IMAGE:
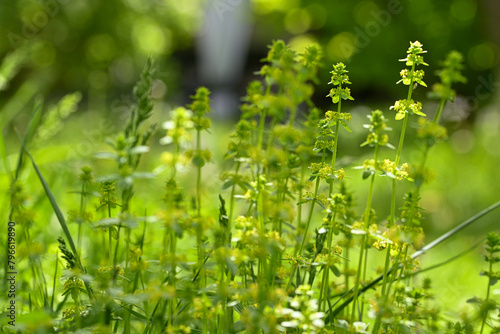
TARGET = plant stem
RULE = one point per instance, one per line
(490, 272)
(363, 252)
(199, 228)
(439, 111)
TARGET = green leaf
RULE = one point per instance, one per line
(421, 82)
(198, 161)
(321, 204)
(344, 124)
(106, 155)
(139, 150)
(419, 113)
(143, 175)
(312, 177)
(368, 172)
(335, 270)
(400, 116)
(227, 184)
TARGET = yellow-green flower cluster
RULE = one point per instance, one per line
(75, 311)
(178, 127)
(411, 211)
(108, 270)
(335, 116)
(339, 78)
(430, 131)
(450, 74)
(86, 175)
(73, 286)
(108, 195)
(414, 54)
(390, 169)
(201, 103)
(378, 124)
(288, 135)
(320, 145)
(402, 107)
(409, 76)
(309, 197)
(325, 171)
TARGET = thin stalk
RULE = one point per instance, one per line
(54, 283)
(487, 296)
(231, 206)
(326, 271)
(110, 239)
(363, 252)
(398, 157)
(82, 210)
(262, 122)
(439, 111)
(299, 250)
(309, 218)
(398, 153)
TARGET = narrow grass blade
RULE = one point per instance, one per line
(451, 259)
(137, 314)
(60, 216)
(3, 155)
(423, 250)
(61, 304)
(35, 121)
(62, 221)
(455, 230)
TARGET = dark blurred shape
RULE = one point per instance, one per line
(222, 46)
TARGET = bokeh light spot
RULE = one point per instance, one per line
(318, 15)
(151, 39)
(44, 54)
(463, 10)
(364, 12)
(297, 21)
(301, 42)
(100, 48)
(341, 47)
(269, 6)
(483, 56)
(98, 79)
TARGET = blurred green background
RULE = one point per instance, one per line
(55, 47)
(51, 48)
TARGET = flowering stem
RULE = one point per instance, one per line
(364, 239)
(199, 232)
(299, 250)
(440, 109)
(110, 239)
(326, 270)
(231, 206)
(487, 295)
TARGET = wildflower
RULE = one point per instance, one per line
(402, 107)
(414, 54)
(73, 286)
(86, 175)
(108, 195)
(178, 128)
(359, 327)
(75, 311)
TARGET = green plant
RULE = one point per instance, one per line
(283, 247)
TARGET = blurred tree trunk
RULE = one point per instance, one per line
(491, 11)
(222, 48)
